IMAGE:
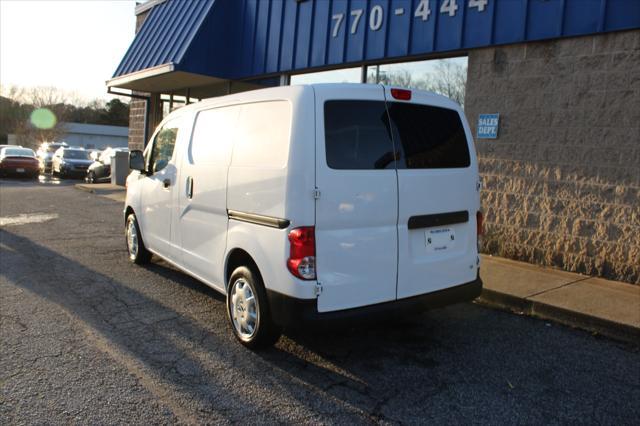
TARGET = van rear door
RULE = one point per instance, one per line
(438, 195)
(357, 208)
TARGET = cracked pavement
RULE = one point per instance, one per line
(87, 337)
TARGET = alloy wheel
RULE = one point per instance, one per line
(245, 312)
(132, 238)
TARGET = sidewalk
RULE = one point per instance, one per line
(601, 306)
(107, 190)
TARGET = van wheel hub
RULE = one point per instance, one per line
(132, 238)
(244, 309)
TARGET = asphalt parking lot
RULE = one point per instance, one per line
(87, 337)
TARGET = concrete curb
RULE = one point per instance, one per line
(98, 187)
(611, 329)
(112, 192)
(83, 187)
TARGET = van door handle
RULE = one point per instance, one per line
(166, 183)
(189, 187)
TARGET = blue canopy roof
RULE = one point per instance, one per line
(190, 43)
(165, 35)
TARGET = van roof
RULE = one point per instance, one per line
(289, 92)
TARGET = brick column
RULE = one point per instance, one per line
(137, 111)
(138, 121)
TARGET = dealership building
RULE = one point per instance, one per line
(552, 97)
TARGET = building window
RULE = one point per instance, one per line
(171, 103)
(447, 77)
(347, 75)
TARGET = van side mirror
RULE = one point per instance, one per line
(136, 160)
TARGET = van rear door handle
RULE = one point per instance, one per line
(166, 183)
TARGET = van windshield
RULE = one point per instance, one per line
(359, 136)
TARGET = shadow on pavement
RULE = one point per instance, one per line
(166, 342)
(461, 363)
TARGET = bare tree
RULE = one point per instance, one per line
(45, 96)
(15, 93)
(400, 78)
(43, 102)
(449, 79)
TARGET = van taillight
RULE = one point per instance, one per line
(302, 253)
(402, 94)
(480, 223)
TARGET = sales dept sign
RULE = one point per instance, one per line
(488, 126)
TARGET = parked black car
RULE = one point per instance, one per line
(70, 162)
(100, 170)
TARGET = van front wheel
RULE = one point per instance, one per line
(138, 253)
(248, 310)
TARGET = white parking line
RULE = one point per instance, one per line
(23, 219)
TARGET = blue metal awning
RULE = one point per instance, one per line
(165, 35)
(158, 57)
(192, 43)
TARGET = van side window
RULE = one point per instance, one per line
(429, 137)
(357, 135)
(162, 149)
(262, 135)
(213, 136)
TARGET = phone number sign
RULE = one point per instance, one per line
(488, 126)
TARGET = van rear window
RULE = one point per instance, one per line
(430, 137)
(359, 136)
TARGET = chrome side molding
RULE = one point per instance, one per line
(272, 222)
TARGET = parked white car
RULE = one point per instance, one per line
(312, 203)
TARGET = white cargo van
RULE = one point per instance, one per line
(312, 203)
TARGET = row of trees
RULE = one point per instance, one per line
(20, 109)
(36, 114)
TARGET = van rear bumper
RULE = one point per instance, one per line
(291, 312)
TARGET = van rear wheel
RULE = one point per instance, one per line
(248, 310)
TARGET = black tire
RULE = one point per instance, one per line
(265, 332)
(140, 255)
(91, 177)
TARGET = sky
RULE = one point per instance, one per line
(72, 45)
(76, 45)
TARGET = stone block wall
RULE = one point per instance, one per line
(561, 184)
